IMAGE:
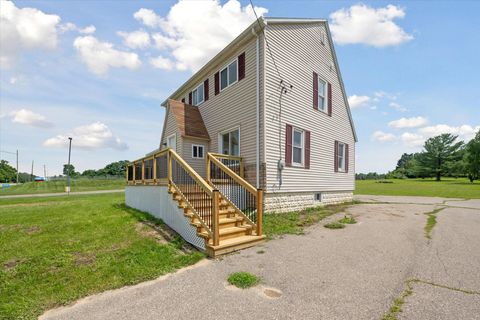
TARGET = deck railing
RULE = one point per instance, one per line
(167, 167)
(245, 198)
(232, 162)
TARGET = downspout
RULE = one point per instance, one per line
(257, 173)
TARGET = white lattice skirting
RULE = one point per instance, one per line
(159, 203)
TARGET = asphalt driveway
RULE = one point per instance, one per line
(351, 273)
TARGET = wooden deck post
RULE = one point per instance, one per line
(208, 169)
(143, 171)
(154, 170)
(259, 211)
(215, 217)
(169, 167)
(134, 178)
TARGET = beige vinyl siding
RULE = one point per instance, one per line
(199, 165)
(235, 106)
(298, 53)
(171, 128)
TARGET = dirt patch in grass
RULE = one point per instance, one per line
(84, 259)
(32, 229)
(12, 263)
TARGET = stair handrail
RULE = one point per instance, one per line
(257, 193)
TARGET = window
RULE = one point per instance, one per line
(318, 196)
(198, 95)
(341, 156)
(197, 151)
(229, 75)
(230, 142)
(297, 146)
(322, 95)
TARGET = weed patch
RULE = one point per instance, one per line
(243, 280)
(348, 220)
(431, 222)
(334, 225)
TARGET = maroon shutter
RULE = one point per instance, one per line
(217, 83)
(288, 145)
(335, 157)
(205, 90)
(329, 99)
(190, 97)
(307, 149)
(315, 90)
(241, 66)
(346, 157)
(183, 100)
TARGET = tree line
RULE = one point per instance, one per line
(442, 156)
(9, 173)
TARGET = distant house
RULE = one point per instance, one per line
(268, 126)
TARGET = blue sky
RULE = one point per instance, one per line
(410, 70)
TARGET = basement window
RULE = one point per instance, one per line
(318, 196)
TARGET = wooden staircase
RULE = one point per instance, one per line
(234, 231)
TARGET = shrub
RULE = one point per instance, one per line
(243, 280)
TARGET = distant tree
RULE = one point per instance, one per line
(89, 173)
(7, 172)
(438, 155)
(69, 169)
(24, 177)
(472, 158)
(116, 168)
(404, 160)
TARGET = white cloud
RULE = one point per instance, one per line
(24, 29)
(366, 25)
(148, 17)
(412, 139)
(136, 40)
(383, 137)
(398, 107)
(93, 136)
(194, 31)
(464, 132)
(30, 118)
(162, 63)
(101, 56)
(88, 30)
(413, 122)
(358, 101)
(13, 80)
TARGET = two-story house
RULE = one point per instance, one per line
(274, 105)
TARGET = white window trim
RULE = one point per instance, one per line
(341, 168)
(198, 146)
(228, 74)
(325, 97)
(168, 138)
(298, 164)
(220, 140)
(196, 89)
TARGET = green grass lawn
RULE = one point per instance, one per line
(59, 186)
(56, 250)
(447, 188)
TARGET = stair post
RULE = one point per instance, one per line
(208, 168)
(169, 167)
(215, 217)
(154, 169)
(259, 211)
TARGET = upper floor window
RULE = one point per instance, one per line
(198, 95)
(322, 95)
(229, 75)
(230, 142)
(297, 146)
(341, 156)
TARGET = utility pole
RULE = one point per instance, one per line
(17, 167)
(31, 173)
(68, 167)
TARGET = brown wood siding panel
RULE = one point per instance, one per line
(241, 66)
(298, 52)
(288, 145)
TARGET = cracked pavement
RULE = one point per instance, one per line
(351, 273)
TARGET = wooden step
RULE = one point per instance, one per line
(227, 233)
(233, 244)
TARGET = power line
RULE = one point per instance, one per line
(268, 46)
